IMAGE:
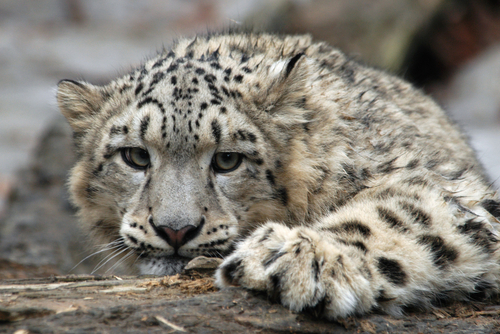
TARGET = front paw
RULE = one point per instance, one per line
(286, 263)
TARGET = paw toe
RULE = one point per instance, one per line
(229, 273)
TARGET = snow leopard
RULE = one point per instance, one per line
(324, 183)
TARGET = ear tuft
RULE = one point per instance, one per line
(291, 64)
(286, 80)
(78, 101)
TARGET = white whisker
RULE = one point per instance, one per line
(114, 266)
(138, 257)
(111, 256)
(117, 241)
(111, 245)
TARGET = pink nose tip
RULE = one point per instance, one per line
(178, 238)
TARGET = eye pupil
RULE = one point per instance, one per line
(226, 157)
(224, 162)
(143, 155)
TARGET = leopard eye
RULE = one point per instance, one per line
(136, 157)
(225, 162)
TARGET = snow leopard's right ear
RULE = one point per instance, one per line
(285, 88)
(79, 102)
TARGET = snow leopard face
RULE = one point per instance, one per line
(175, 162)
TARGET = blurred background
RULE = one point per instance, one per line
(449, 48)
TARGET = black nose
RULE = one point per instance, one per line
(177, 238)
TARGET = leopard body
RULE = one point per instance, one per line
(328, 184)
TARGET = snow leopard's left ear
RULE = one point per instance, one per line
(79, 102)
(287, 80)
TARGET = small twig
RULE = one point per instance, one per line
(169, 324)
(494, 312)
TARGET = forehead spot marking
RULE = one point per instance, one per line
(216, 130)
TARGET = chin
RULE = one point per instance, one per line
(162, 266)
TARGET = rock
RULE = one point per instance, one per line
(473, 94)
(378, 31)
(39, 227)
(203, 264)
(95, 304)
(458, 31)
(14, 270)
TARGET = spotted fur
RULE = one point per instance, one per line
(349, 190)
